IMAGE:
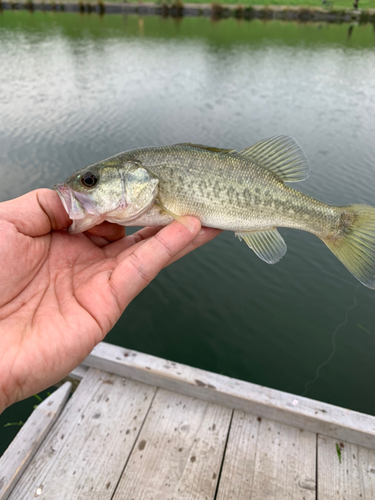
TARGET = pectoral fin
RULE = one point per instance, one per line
(268, 245)
(171, 214)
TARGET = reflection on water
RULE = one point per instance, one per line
(76, 89)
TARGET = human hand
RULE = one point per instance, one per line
(60, 294)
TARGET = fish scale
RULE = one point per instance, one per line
(245, 192)
(255, 199)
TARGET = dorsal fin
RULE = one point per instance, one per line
(282, 155)
(208, 148)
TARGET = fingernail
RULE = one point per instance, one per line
(202, 231)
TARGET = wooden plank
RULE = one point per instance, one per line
(86, 451)
(74, 377)
(236, 481)
(265, 460)
(300, 412)
(352, 478)
(179, 451)
(285, 465)
(78, 373)
(28, 440)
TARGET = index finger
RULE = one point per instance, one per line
(138, 268)
(108, 231)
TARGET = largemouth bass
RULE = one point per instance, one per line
(244, 192)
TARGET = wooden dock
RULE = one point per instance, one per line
(142, 428)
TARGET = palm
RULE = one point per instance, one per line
(50, 296)
(61, 294)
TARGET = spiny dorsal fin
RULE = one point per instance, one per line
(268, 245)
(208, 148)
(282, 155)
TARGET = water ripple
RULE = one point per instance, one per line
(77, 89)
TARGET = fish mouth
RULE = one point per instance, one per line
(73, 207)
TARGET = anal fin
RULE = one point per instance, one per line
(267, 245)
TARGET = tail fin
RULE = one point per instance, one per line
(354, 246)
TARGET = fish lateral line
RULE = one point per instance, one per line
(244, 192)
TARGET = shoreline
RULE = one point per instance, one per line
(214, 10)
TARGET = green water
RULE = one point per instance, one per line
(76, 89)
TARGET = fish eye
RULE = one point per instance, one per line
(89, 179)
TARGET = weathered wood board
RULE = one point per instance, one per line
(74, 377)
(86, 451)
(345, 471)
(289, 409)
(30, 437)
(179, 451)
(237, 476)
(123, 439)
(267, 460)
(285, 464)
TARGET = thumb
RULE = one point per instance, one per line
(36, 213)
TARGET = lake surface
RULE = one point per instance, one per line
(77, 89)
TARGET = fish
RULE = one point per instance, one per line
(246, 192)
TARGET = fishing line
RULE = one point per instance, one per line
(333, 340)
